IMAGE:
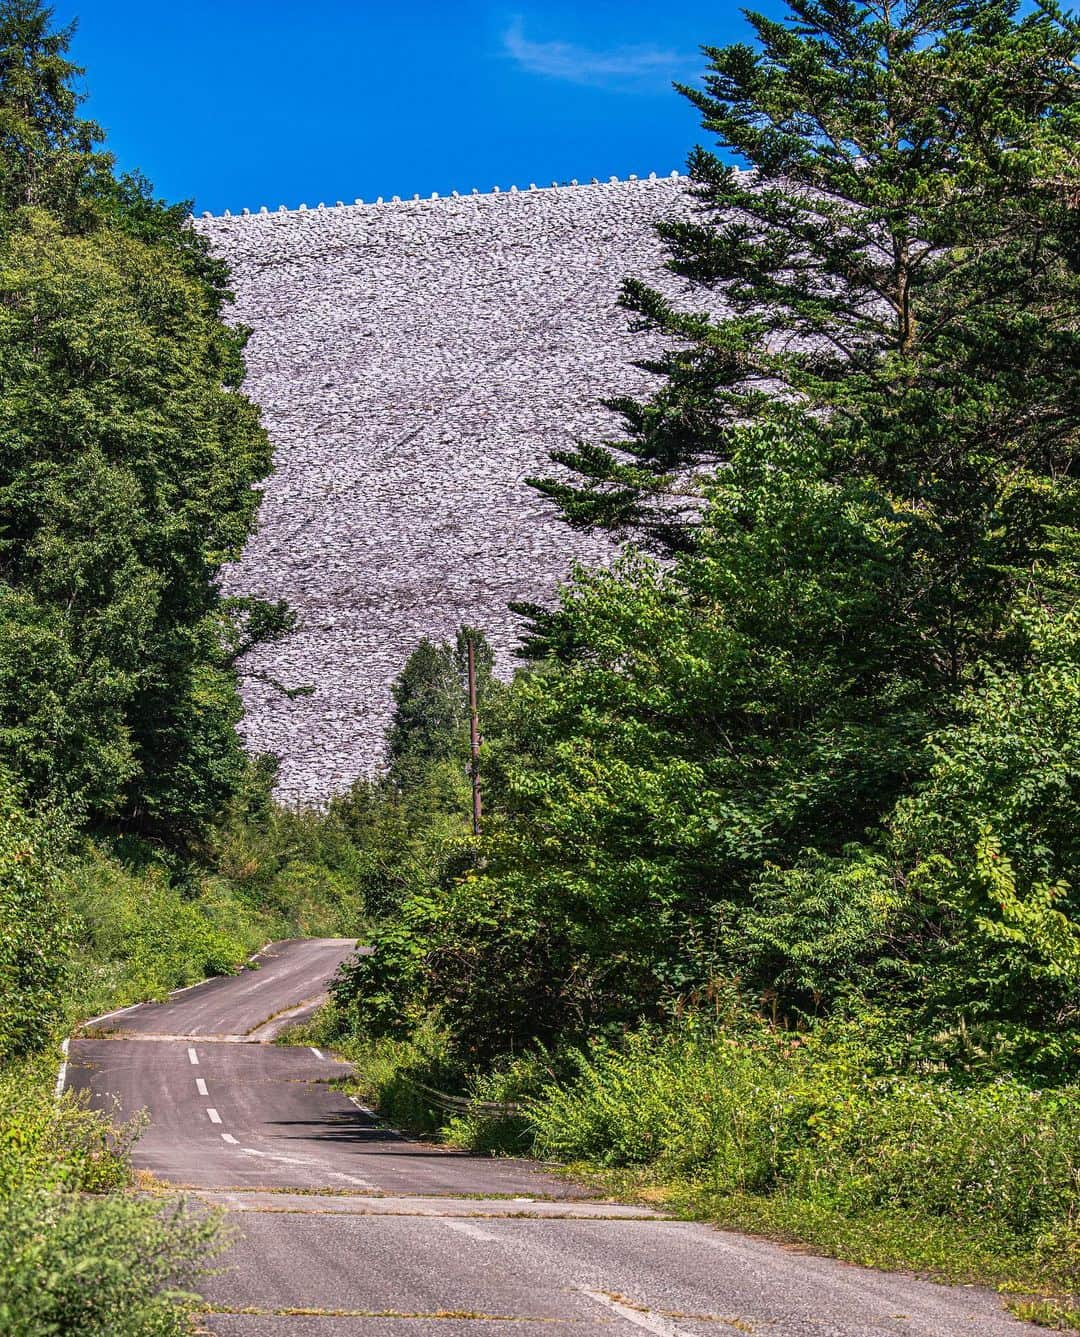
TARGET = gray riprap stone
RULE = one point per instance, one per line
(414, 362)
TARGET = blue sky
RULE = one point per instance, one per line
(239, 103)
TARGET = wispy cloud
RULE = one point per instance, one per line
(631, 67)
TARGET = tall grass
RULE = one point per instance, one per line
(141, 929)
(816, 1127)
(816, 1137)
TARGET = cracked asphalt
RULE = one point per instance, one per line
(342, 1226)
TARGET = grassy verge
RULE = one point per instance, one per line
(818, 1139)
(1037, 1287)
(138, 935)
(140, 931)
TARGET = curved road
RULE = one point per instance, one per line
(344, 1227)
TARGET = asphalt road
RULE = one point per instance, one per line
(344, 1227)
(290, 976)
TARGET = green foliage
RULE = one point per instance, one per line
(742, 775)
(897, 276)
(684, 1102)
(85, 927)
(48, 153)
(496, 1121)
(144, 924)
(331, 870)
(35, 932)
(410, 833)
(128, 464)
(823, 932)
(139, 935)
(113, 1266)
(111, 550)
(77, 1254)
(297, 868)
(430, 721)
(827, 748)
(127, 473)
(719, 715)
(989, 849)
(821, 1121)
(57, 1145)
(404, 838)
(127, 203)
(391, 1071)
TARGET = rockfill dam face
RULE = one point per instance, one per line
(414, 362)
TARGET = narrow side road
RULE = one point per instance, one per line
(344, 1227)
(288, 975)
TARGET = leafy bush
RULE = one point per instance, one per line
(35, 933)
(106, 1267)
(300, 866)
(821, 1119)
(1001, 1156)
(495, 1122)
(76, 1254)
(687, 1103)
(57, 1144)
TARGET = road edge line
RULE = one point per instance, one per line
(641, 1318)
(61, 1076)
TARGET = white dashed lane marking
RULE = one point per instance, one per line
(213, 1115)
(310, 1163)
(192, 1056)
(464, 1228)
(228, 1137)
(273, 1156)
(200, 1086)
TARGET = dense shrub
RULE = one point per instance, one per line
(303, 867)
(106, 1267)
(818, 1118)
(391, 1071)
(34, 927)
(77, 1254)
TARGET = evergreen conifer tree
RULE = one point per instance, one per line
(430, 722)
(47, 152)
(898, 277)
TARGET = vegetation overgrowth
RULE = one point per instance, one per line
(774, 912)
(139, 847)
(827, 1136)
(86, 927)
(77, 1253)
(811, 744)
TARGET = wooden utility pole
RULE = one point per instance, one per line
(474, 738)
